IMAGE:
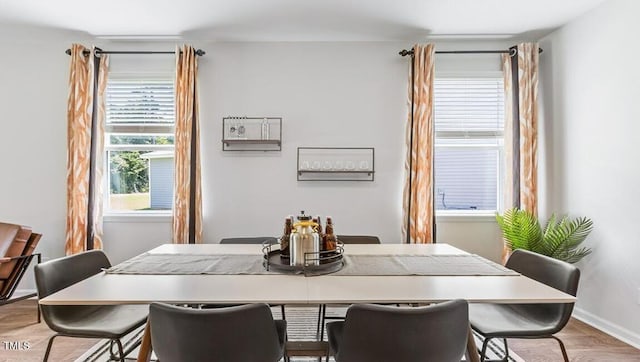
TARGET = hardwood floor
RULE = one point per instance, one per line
(18, 324)
(583, 342)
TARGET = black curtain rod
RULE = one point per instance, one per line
(199, 52)
(512, 52)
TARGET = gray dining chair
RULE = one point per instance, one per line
(359, 239)
(322, 309)
(242, 333)
(86, 321)
(528, 320)
(371, 332)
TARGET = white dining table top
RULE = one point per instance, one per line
(298, 289)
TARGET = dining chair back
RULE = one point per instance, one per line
(13, 242)
(403, 334)
(552, 272)
(17, 245)
(535, 320)
(240, 333)
(249, 240)
(359, 239)
(87, 321)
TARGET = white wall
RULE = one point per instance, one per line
(329, 94)
(33, 102)
(590, 80)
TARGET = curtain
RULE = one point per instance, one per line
(187, 208)
(85, 149)
(510, 154)
(418, 208)
(528, 102)
(521, 129)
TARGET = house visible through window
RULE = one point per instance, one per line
(139, 143)
(469, 123)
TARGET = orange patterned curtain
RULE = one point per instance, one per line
(418, 208)
(510, 153)
(528, 54)
(85, 149)
(187, 208)
(521, 138)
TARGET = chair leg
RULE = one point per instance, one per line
(121, 355)
(120, 350)
(282, 311)
(562, 348)
(506, 350)
(319, 321)
(483, 352)
(38, 311)
(322, 320)
(49, 345)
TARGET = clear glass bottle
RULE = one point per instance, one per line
(264, 130)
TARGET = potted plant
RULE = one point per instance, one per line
(560, 239)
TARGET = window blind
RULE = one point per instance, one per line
(467, 105)
(469, 123)
(139, 105)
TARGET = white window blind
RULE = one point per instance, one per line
(140, 105)
(469, 105)
(469, 125)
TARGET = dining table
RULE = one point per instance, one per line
(164, 279)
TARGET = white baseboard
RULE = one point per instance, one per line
(607, 327)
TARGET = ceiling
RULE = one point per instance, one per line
(297, 20)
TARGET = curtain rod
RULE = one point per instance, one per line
(199, 52)
(512, 52)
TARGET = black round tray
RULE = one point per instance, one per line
(329, 261)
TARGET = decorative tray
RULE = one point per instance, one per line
(328, 261)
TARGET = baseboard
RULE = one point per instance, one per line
(607, 327)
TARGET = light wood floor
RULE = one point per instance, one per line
(18, 324)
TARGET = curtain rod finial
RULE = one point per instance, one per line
(200, 52)
(68, 51)
(405, 52)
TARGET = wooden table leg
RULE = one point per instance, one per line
(472, 354)
(144, 354)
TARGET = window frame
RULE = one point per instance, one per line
(135, 129)
(471, 215)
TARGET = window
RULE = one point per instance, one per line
(469, 126)
(139, 139)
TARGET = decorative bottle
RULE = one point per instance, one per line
(330, 239)
(284, 240)
(264, 131)
(320, 232)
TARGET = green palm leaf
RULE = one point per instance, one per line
(559, 239)
(520, 229)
